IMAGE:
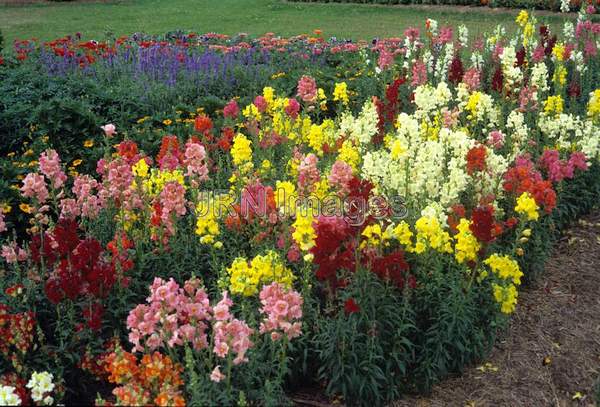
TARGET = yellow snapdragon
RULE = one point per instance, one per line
(246, 278)
(526, 205)
(340, 93)
(304, 233)
(431, 234)
(467, 246)
(241, 151)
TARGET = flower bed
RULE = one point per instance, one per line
(365, 227)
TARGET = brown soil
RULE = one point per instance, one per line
(550, 356)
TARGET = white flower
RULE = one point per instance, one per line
(40, 384)
(362, 128)
(8, 397)
(463, 35)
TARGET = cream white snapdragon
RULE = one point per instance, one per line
(363, 127)
(8, 396)
(41, 386)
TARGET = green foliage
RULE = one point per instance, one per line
(364, 356)
(526, 4)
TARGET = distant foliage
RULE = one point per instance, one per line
(554, 5)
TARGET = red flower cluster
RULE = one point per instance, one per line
(351, 307)
(524, 177)
(224, 142)
(169, 156)
(394, 268)
(119, 248)
(337, 240)
(388, 109)
(80, 268)
(334, 248)
(96, 364)
(476, 159)
(456, 70)
(128, 149)
(16, 331)
(82, 272)
(203, 124)
(483, 225)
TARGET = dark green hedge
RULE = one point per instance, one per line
(523, 4)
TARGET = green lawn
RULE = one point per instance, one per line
(51, 20)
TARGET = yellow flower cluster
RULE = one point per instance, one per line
(508, 270)
(304, 233)
(473, 102)
(251, 112)
(247, 278)
(522, 18)
(505, 268)
(559, 51)
(207, 226)
(397, 149)
(506, 296)
(285, 196)
(158, 178)
(340, 93)
(140, 169)
(241, 151)
(375, 237)
(526, 205)
(322, 99)
(349, 154)
(466, 246)
(404, 235)
(560, 75)
(594, 105)
(554, 104)
(431, 234)
(269, 95)
(320, 135)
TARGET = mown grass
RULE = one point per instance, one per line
(50, 20)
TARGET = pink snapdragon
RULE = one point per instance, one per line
(385, 59)
(51, 168)
(292, 108)
(2, 222)
(34, 186)
(472, 78)
(89, 203)
(13, 253)
(261, 103)
(232, 335)
(496, 139)
(109, 130)
(283, 309)
(340, 176)
(445, 35)
(69, 208)
(216, 375)
(558, 169)
(419, 74)
(173, 316)
(117, 176)
(307, 89)
(231, 109)
(308, 173)
(172, 201)
(195, 161)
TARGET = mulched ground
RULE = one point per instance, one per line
(550, 356)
